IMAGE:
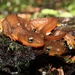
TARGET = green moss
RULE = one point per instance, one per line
(14, 53)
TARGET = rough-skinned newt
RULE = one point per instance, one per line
(15, 28)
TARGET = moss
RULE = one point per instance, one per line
(14, 53)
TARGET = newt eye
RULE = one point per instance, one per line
(48, 48)
(30, 39)
(34, 30)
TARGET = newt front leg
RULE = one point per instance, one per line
(50, 26)
(39, 23)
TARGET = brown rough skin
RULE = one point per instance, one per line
(15, 28)
(54, 47)
(58, 34)
(39, 23)
(50, 26)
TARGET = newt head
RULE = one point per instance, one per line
(31, 39)
(54, 48)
